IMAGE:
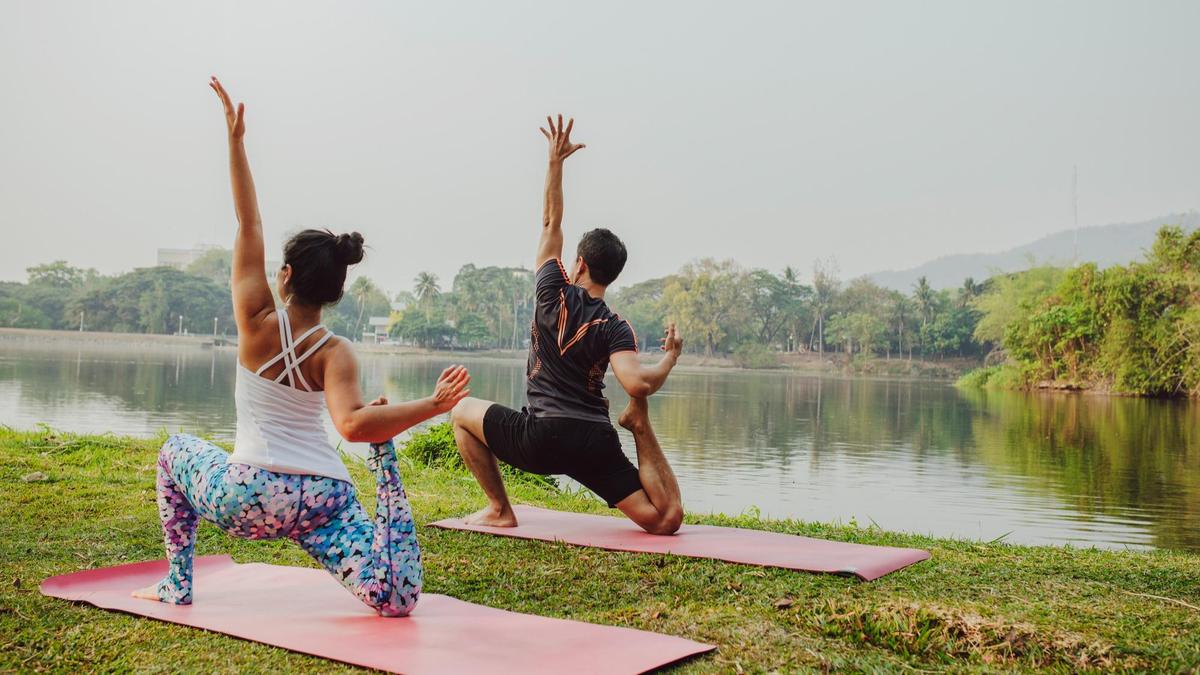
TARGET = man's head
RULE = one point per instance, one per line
(600, 256)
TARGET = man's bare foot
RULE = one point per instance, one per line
(490, 517)
(147, 593)
(636, 415)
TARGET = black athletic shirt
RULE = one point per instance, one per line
(572, 336)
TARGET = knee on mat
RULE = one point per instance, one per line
(400, 605)
(668, 522)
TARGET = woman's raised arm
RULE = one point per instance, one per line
(252, 297)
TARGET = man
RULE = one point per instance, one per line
(566, 428)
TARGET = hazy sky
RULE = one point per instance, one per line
(880, 134)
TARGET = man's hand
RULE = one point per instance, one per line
(672, 342)
(235, 122)
(560, 139)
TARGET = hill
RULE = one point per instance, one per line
(1104, 245)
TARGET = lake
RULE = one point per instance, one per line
(911, 456)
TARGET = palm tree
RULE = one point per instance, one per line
(924, 297)
(426, 288)
(360, 290)
(969, 291)
(899, 316)
(923, 294)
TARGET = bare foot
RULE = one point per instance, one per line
(147, 593)
(636, 414)
(490, 517)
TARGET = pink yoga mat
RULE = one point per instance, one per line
(731, 544)
(306, 610)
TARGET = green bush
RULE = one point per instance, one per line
(1008, 376)
(1005, 376)
(435, 447)
(976, 379)
(755, 355)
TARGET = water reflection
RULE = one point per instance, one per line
(910, 456)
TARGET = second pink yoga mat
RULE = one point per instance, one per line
(306, 610)
(731, 544)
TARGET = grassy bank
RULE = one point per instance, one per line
(973, 607)
(1012, 377)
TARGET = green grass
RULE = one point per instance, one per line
(972, 607)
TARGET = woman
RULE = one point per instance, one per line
(284, 479)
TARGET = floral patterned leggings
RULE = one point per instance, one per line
(380, 562)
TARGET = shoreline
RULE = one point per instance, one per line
(831, 364)
(975, 605)
(984, 379)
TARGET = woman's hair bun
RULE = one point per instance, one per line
(349, 247)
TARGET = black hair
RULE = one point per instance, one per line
(604, 254)
(319, 259)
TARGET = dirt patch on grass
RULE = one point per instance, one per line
(940, 635)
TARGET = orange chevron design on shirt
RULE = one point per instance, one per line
(579, 335)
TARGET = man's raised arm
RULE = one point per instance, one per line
(551, 243)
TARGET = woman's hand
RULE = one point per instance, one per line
(234, 121)
(451, 388)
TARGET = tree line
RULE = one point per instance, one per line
(1132, 329)
(753, 315)
(723, 308)
(147, 300)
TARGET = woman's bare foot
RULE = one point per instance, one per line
(148, 593)
(636, 414)
(491, 517)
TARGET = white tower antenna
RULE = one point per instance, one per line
(1075, 213)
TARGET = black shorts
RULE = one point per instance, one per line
(588, 452)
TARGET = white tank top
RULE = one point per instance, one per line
(281, 427)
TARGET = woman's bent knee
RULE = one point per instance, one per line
(394, 610)
(395, 604)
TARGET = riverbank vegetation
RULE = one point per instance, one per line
(1129, 329)
(76, 502)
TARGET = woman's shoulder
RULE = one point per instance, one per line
(336, 349)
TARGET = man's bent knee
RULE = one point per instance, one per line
(673, 519)
(459, 412)
(668, 522)
(469, 411)
(651, 519)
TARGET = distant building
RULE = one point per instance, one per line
(180, 258)
(377, 329)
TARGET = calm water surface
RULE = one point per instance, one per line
(910, 456)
